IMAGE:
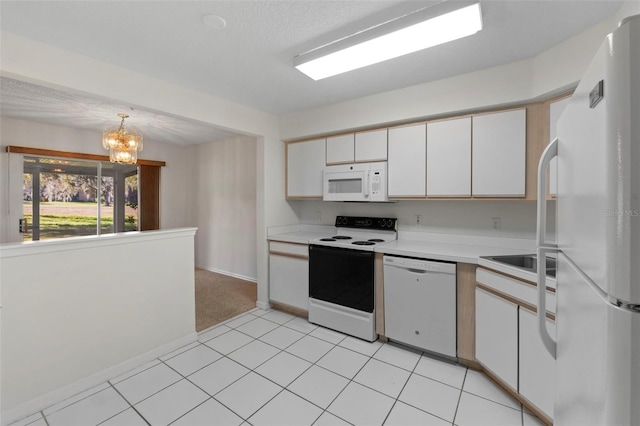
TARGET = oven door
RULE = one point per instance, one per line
(342, 276)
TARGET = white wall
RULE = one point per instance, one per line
(71, 320)
(173, 177)
(222, 203)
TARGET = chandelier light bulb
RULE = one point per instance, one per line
(123, 146)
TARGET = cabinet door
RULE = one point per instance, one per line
(497, 336)
(371, 146)
(555, 110)
(537, 366)
(406, 167)
(340, 149)
(305, 164)
(449, 158)
(289, 281)
(499, 154)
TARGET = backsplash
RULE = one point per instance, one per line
(515, 219)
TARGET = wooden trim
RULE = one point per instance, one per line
(290, 255)
(518, 397)
(537, 122)
(340, 163)
(512, 299)
(379, 293)
(522, 280)
(534, 309)
(149, 183)
(286, 171)
(298, 197)
(466, 311)
(287, 242)
(68, 154)
(474, 365)
(377, 160)
(291, 309)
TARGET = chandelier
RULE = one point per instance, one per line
(123, 146)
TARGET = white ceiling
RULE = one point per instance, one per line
(250, 61)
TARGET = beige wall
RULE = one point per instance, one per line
(222, 205)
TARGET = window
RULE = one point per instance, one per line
(71, 197)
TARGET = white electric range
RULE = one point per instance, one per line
(342, 278)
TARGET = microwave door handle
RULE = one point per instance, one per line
(366, 184)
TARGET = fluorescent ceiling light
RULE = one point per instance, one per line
(425, 28)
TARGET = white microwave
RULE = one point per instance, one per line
(356, 182)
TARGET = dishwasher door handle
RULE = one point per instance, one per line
(416, 271)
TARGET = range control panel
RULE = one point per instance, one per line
(379, 223)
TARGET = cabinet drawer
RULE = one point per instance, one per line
(526, 292)
(292, 249)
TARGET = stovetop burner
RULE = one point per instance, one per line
(363, 243)
(360, 233)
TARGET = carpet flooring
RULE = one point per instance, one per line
(220, 297)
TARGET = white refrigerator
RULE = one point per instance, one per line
(597, 349)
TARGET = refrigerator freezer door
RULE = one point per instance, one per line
(598, 174)
(598, 355)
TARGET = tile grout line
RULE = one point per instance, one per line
(196, 343)
(130, 405)
(460, 396)
(403, 387)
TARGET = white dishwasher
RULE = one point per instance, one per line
(420, 303)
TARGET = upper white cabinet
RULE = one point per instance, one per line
(499, 154)
(371, 146)
(305, 165)
(449, 158)
(341, 149)
(407, 161)
(555, 110)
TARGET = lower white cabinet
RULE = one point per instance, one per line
(497, 336)
(289, 274)
(537, 366)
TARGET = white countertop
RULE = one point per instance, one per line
(446, 247)
(451, 252)
(300, 237)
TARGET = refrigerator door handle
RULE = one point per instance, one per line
(543, 246)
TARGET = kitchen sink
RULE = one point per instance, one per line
(527, 262)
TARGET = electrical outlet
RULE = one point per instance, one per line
(495, 223)
(418, 219)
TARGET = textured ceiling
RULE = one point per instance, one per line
(250, 61)
(31, 102)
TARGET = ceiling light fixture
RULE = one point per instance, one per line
(444, 22)
(123, 146)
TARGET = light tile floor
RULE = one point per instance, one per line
(272, 368)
